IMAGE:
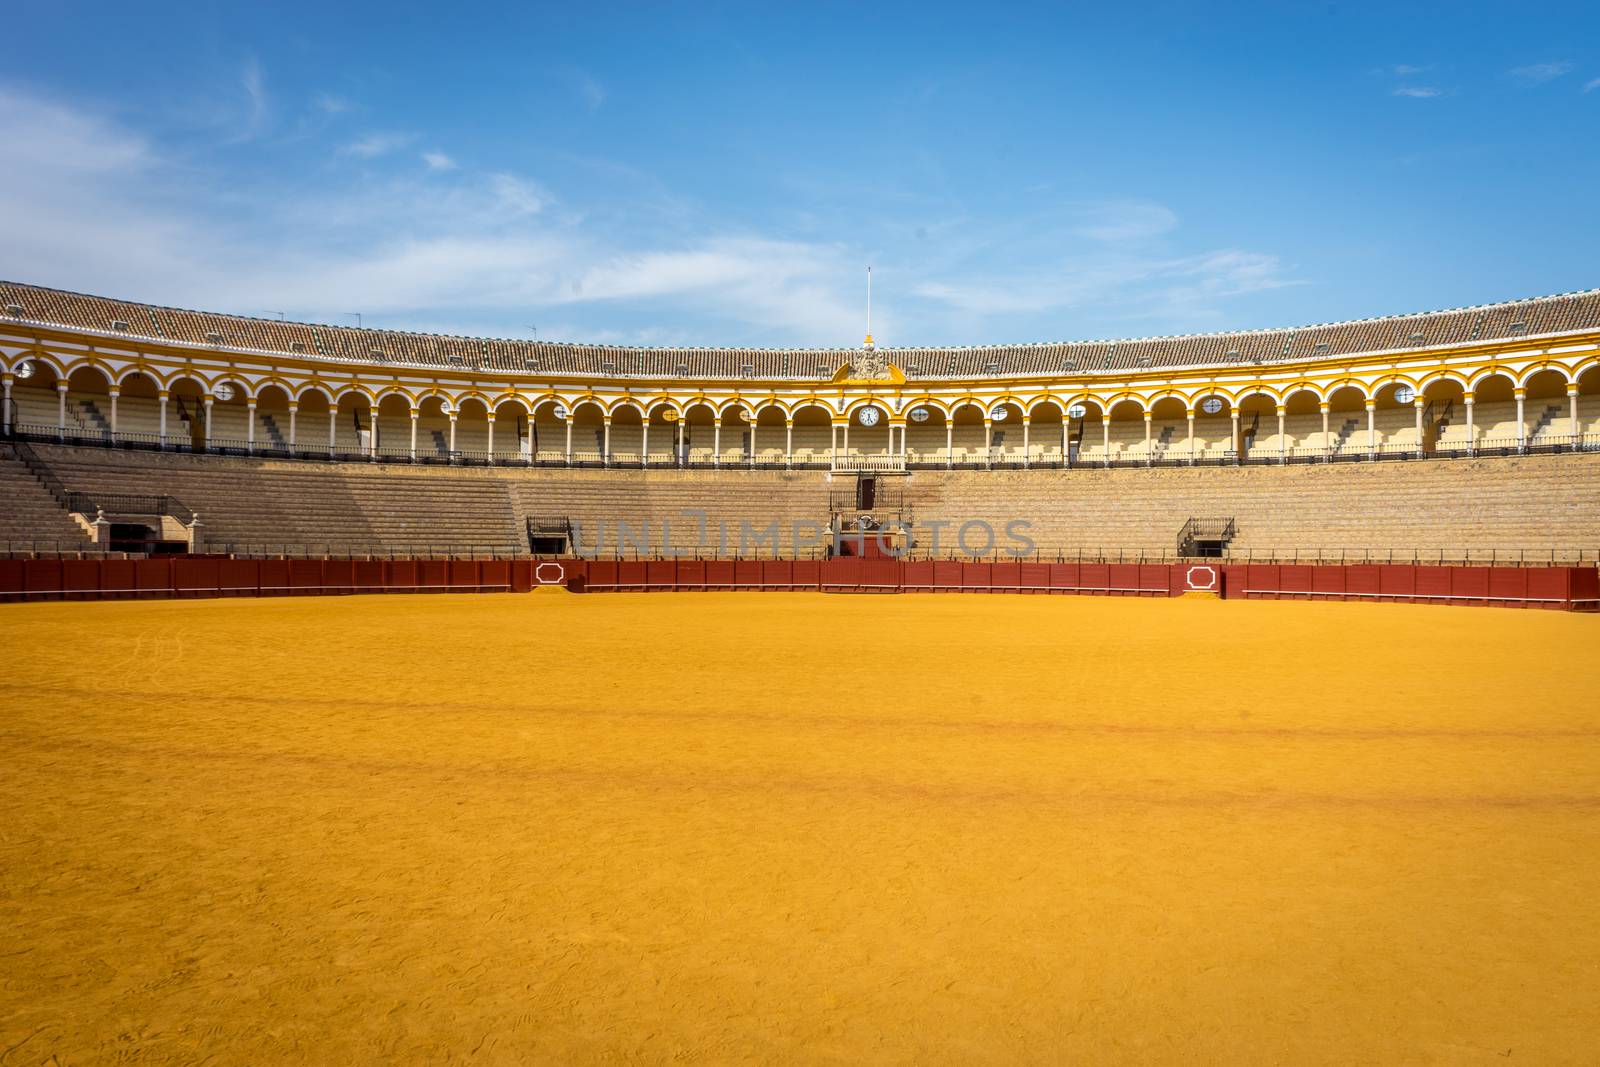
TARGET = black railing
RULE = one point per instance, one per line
(47, 548)
(1349, 450)
(87, 503)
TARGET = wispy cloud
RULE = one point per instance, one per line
(330, 104)
(1407, 70)
(1126, 220)
(374, 145)
(1536, 73)
(1419, 92)
(258, 110)
(110, 212)
(1592, 85)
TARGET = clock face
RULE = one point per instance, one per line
(868, 416)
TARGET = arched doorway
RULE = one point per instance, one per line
(1444, 418)
(813, 429)
(1546, 411)
(1344, 421)
(1047, 438)
(272, 420)
(89, 405)
(1258, 429)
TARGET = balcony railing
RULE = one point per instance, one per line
(1352, 450)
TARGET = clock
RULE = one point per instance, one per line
(868, 416)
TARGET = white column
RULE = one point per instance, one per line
(1572, 401)
(1327, 444)
(788, 443)
(1283, 435)
(753, 420)
(206, 442)
(569, 438)
(988, 443)
(5, 406)
(250, 425)
(61, 408)
(605, 441)
(452, 417)
(1149, 456)
(716, 441)
(1190, 414)
(1372, 429)
(1105, 436)
(950, 442)
(115, 393)
(1522, 430)
(1238, 442)
(414, 433)
(489, 444)
(1472, 429)
(1417, 404)
(162, 432)
(294, 416)
(333, 427)
(1066, 437)
(372, 435)
(1026, 459)
(644, 442)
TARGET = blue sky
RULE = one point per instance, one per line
(721, 174)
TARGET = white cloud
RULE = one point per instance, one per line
(374, 145)
(108, 212)
(1540, 72)
(1419, 92)
(1591, 86)
(1127, 221)
(438, 161)
(333, 105)
(1406, 70)
(257, 109)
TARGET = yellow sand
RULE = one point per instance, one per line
(797, 829)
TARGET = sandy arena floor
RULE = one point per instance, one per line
(795, 829)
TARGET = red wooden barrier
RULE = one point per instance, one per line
(1562, 588)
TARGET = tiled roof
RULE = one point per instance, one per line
(1565, 313)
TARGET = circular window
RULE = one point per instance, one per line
(1077, 411)
(25, 369)
(1405, 394)
(223, 392)
(1211, 405)
(868, 416)
(1000, 413)
(920, 414)
(667, 415)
